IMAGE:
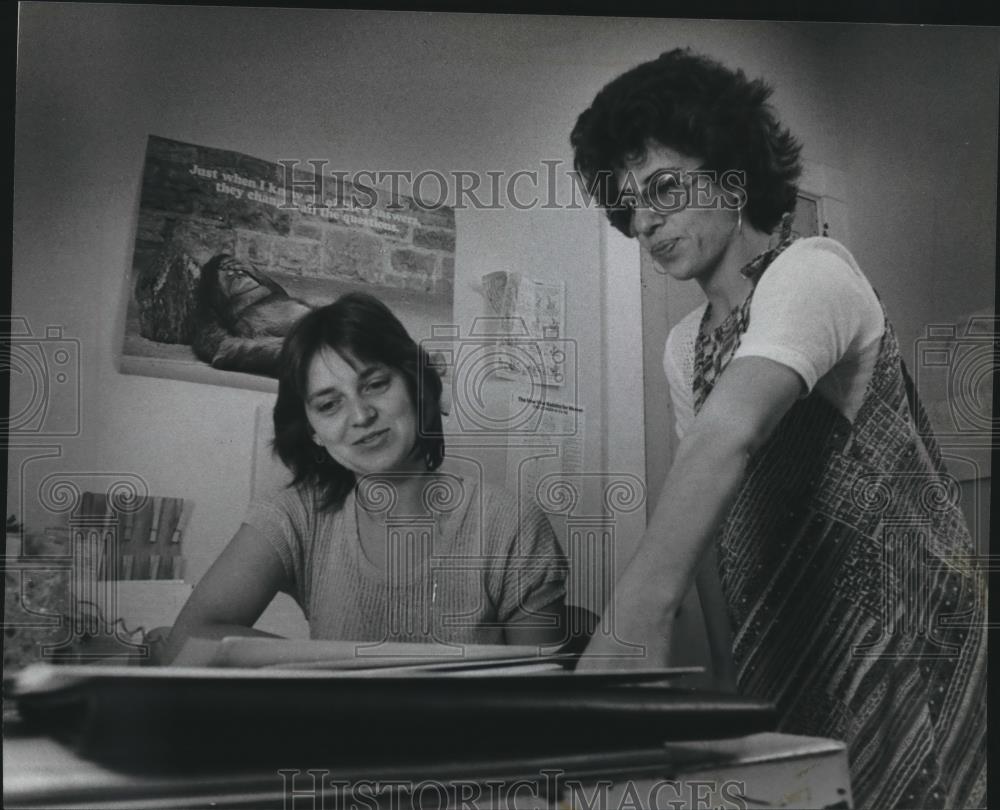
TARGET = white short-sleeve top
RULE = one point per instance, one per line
(813, 311)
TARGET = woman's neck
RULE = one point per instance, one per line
(726, 288)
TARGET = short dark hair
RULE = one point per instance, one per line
(359, 324)
(699, 107)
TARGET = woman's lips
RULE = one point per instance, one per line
(371, 438)
(665, 247)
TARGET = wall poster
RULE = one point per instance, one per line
(231, 249)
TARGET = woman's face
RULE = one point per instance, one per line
(688, 227)
(361, 414)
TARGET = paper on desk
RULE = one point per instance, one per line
(248, 651)
(430, 666)
(244, 654)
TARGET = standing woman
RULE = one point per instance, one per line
(372, 539)
(806, 460)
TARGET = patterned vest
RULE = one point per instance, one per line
(853, 590)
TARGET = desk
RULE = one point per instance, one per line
(759, 771)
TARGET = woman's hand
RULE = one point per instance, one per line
(641, 645)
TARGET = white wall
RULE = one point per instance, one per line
(918, 110)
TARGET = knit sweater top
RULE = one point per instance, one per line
(456, 575)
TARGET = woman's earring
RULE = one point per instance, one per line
(319, 455)
(739, 219)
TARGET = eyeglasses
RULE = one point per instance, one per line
(666, 192)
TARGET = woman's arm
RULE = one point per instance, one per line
(529, 587)
(717, 629)
(232, 594)
(750, 398)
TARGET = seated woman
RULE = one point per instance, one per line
(373, 541)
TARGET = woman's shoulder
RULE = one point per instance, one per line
(504, 506)
(498, 510)
(285, 496)
(819, 250)
(299, 502)
(496, 499)
(817, 266)
(515, 526)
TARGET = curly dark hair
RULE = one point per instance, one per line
(366, 328)
(699, 107)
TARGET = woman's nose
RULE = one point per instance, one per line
(363, 411)
(646, 219)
